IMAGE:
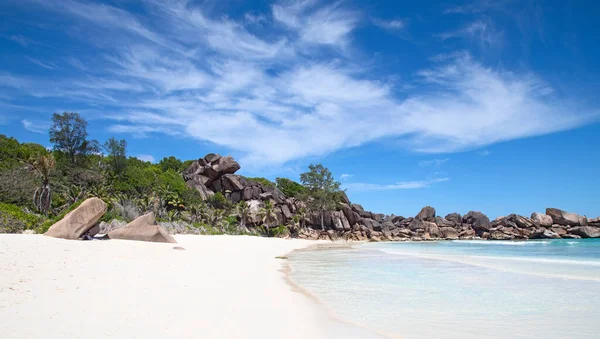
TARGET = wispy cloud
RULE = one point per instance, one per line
(481, 31)
(433, 162)
(403, 185)
(35, 127)
(46, 65)
(484, 153)
(476, 6)
(146, 157)
(345, 176)
(391, 25)
(274, 97)
(21, 40)
(255, 19)
(329, 25)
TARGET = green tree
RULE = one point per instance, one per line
(170, 163)
(301, 213)
(116, 150)
(289, 187)
(69, 135)
(243, 212)
(321, 188)
(267, 215)
(42, 166)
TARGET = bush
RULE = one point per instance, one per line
(219, 201)
(17, 186)
(264, 181)
(13, 219)
(290, 188)
(274, 232)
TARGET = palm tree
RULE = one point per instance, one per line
(42, 166)
(267, 215)
(215, 218)
(294, 223)
(198, 212)
(73, 194)
(243, 212)
(301, 213)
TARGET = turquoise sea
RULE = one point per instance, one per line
(460, 289)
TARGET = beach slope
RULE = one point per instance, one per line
(217, 287)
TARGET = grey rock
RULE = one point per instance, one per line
(563, 218)
(541, 219)
(479, 221)
(427, 213)
(586, 232)
(454, 217)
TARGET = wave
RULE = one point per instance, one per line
(464, 257)
(496, 264)
(542, 260)
(503, 242)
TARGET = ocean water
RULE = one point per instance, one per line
(460, 289)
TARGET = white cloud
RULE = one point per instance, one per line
(481, 31)
(255, 19)
(433, 162)
(403, 185)
(46, 65)
(345, 176)
(484, 153)
(35, 127)
(329, 25)
(146, 157)
(273, 99)
(21, 40)
(391, 25)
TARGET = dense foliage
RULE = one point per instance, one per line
(264, 181)
(38, 187)
(322, 188)
(290, 188)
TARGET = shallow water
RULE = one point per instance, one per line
(542, 289)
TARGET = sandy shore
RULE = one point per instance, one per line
(218, 287)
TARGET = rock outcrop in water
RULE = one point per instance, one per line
(213, 173)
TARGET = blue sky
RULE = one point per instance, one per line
(476, 105)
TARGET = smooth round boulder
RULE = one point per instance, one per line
(541, 219)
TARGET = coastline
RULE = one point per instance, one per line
(218, 287)
(287, 270)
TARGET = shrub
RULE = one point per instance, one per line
(264, 181)
(13, 219)
(274, 232)
(290, 188)
(219, 201)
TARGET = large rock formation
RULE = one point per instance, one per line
(586, 232)
(213, 173)
(143, 228)
(561, 217)
(79, 221)
(541, 219)
(478, 221)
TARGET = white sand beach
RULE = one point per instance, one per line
(218, 287)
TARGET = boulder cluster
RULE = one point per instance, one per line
(355, 223)
(213, 173)
(83, 223)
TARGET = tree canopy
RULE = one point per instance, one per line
(321, 188)
(69, 135)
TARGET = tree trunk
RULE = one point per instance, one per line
(322, 223)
